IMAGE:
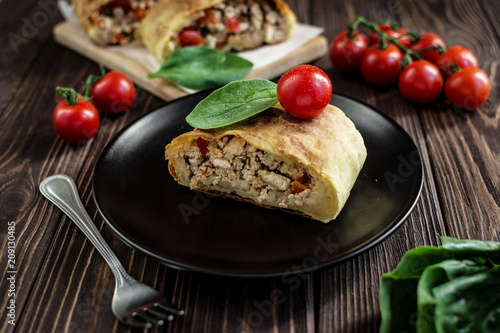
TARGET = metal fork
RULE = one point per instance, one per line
(134, 303)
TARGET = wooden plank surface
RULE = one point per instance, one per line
(63, 285)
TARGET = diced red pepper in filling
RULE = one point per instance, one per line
(190, 38)
(304, 179)
(140, 13)
(233, 25)
(298, 187)
(202, 146)
(208, 18)
(300, 184)
(118, 37)
(187, 27)
(125, 4)
(95, 20)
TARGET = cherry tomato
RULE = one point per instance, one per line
(381, 67)
(468, 89)
(420, 82)
(114, 93)
(76, 123)
(345, 53)
(456, 55)
(304, 91)
(190, 38)
(374, 39)
(426, 41)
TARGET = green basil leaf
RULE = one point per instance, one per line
(232, 103)
(203, 68)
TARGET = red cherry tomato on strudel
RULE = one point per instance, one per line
(304, 91)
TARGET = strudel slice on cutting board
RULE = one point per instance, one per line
(219, 24)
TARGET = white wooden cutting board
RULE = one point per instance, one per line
(67, 35)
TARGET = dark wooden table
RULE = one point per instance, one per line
(63, 285)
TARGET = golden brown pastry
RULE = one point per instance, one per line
(220, 24)
(111, 22)
(274, 160)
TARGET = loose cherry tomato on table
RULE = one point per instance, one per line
(381, 66)
(468, 89)
(420, 82)
(304, 91)
(426, 41)
(75, 119)
(114, 93)
(190, 38)
(456, 55)
(346, 51)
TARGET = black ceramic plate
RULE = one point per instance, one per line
(148, 210)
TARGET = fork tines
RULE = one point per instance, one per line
(157, 313)
(170, 309)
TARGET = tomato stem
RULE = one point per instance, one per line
(383, 36)
(355, 24)
(415, 36)
(351, 28)
(88, 85)
(70, 95)
(382, 44)
(103, 70)
(451, 69)
(440, 49)
(406, 60)
(93, 79)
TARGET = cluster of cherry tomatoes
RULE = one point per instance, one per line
(76, 118)
(420, 63)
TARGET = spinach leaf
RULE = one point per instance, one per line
(232, 103)
(472, 248)
(203, 68)
(398, 304)
(434, 276)
(469, 303)
(438, 289)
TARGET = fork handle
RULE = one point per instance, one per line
(61, 191)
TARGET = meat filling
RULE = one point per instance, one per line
(234, 165)
(234, 25)
(116, 21)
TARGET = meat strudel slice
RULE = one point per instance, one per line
(274, 160)
(224, 25)
(111, 22)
